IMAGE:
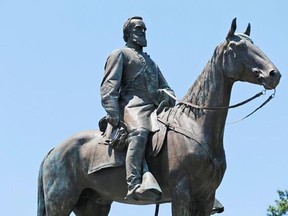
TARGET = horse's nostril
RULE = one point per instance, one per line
(256, 71)
(272, 73)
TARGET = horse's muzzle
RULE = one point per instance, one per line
(271, 80)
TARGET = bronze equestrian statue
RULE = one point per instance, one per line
(130, 92)
(85, 177)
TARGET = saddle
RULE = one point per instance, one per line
(116, 137)
(110, 149)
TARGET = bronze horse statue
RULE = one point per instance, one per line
(191, 163)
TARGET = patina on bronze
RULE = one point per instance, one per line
(191, 164)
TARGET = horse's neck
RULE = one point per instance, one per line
(211, 89)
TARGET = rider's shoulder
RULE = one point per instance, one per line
(117, 52)
(121, 51)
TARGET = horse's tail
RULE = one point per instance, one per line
(41, 211)
(41, 202)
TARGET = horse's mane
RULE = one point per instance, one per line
(199, 91)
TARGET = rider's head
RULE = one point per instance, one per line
(134, 31)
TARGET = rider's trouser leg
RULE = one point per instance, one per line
(135, 154)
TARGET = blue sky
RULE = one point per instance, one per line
(52, 55)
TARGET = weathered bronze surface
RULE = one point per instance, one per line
(191, 163)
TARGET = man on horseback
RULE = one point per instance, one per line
(131, 92)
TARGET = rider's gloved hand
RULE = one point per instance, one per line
(113, 119)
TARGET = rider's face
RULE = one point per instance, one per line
(138, 33)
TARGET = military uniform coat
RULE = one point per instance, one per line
(130, 88)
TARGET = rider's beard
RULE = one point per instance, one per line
(139, 40)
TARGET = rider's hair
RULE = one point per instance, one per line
(127, 27)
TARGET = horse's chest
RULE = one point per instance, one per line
(186, 152)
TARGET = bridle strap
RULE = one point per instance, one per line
(216, 108)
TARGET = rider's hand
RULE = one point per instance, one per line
(113, 120)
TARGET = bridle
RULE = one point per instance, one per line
(263, 92)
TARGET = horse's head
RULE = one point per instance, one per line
(246, 62)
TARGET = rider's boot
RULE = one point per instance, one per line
(134, 160)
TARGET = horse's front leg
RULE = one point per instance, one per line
(181, 196)
(181, 207)
(185, 204)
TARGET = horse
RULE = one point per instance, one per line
(191, 163)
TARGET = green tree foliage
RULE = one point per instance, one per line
(281, 208)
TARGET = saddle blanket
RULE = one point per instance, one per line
(104, 156)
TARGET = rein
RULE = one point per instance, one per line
(263, 104)
(263, 92)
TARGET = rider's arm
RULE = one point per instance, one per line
(110, 85)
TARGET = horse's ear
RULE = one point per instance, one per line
(248, 30)
(232, 29)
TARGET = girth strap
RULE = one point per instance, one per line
(215, 161)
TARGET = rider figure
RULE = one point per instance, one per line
(131, 92)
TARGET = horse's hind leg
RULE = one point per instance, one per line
(60, 202)
(58, 209)
(87, 207)
(61, 192)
